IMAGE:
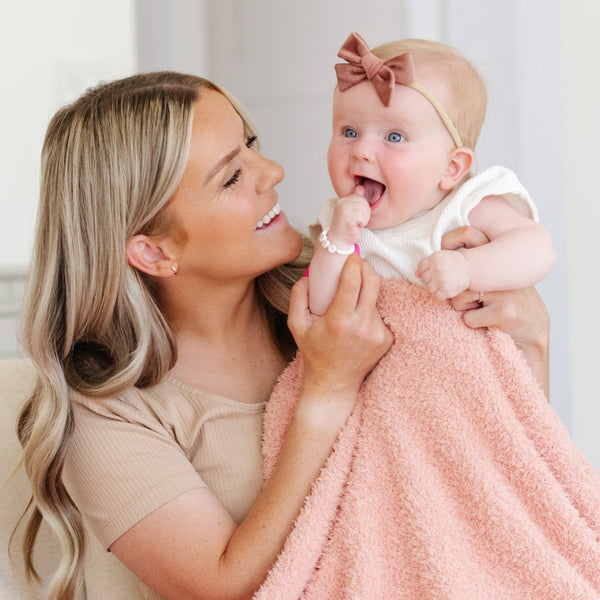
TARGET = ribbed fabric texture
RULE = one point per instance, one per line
(131, 454)
(396, 252)
(453, 479)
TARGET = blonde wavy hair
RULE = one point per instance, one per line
(466, 90)
(91, 324)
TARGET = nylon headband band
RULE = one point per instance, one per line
(440, 111)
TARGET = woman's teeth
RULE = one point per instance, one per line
(269, 216)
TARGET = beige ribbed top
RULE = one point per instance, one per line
(131, 454)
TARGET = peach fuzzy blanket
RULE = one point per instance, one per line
(452, 479)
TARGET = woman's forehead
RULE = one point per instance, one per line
(214, 113)
(216, 138)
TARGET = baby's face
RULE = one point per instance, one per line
(398, 153)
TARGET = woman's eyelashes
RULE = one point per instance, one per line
(233, 179)
(230, 183)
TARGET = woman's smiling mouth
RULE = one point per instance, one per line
(269, 217)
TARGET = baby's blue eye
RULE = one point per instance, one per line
(350, 133)
(395, 137)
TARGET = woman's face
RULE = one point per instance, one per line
(226, 204)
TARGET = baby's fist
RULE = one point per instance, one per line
(349, 216)
(444, 273)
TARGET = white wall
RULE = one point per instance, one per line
(516, 46)
(180, 26)
(50, 51)
(581, 39)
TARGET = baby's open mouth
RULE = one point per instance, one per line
(373, 189)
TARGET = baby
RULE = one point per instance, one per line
(452, 477)
(406, 118)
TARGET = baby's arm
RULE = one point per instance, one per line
(520, 254)
(350, 214)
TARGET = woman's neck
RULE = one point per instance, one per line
(210, 311)
(224, 342)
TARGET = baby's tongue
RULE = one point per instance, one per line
(373, 190)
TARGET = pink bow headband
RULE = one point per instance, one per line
(363, 64)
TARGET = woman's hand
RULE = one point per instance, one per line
(520, 313)
(191, 547)
(341, 347)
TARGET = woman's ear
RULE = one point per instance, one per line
(460, 162)
(150, 256)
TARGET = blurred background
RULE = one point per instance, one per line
(537, 57)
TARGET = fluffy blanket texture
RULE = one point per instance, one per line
(452, 479)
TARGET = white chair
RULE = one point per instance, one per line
(105, 577)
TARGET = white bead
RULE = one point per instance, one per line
(332, 248)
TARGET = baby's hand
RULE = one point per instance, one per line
(444, 273)
(350, 214)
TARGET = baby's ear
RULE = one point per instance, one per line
(459, 164)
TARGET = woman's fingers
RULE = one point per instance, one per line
(463, 237)
(299, 317)
(370, 286)
(367, 307)
(487, 315)
(357, 281)
(341, 347)
(349, 288)
(520, 313)
(523, 315)
(468, 300)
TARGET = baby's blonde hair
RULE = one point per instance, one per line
(466, 90)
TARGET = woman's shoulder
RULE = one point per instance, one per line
(168, 406)
(131, 453)
(125, 457)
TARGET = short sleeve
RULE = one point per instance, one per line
(122, 464)
(496, 181)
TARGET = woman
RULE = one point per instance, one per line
(156, 320)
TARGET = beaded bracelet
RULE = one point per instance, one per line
(332, 248)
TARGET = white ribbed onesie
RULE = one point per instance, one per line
(396, 252)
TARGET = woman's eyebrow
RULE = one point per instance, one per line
(221, 163)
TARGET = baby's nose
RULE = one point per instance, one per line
(362, 150)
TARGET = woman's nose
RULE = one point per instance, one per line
(270, 173)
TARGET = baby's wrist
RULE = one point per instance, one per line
(335, 245)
